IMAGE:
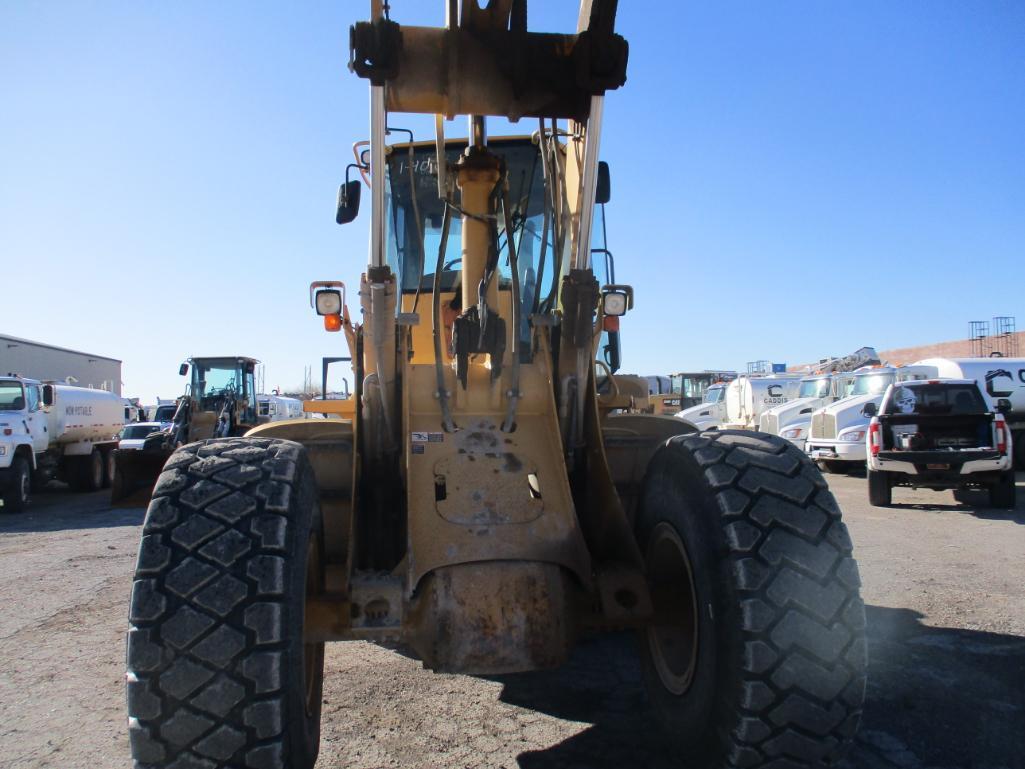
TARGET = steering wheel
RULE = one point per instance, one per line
(448, 265)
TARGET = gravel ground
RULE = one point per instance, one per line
(946, 612)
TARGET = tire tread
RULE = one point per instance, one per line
(802, 619)
(205, 645)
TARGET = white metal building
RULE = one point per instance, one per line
(46, 361)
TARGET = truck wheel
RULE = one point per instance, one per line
(828, 467)
(1003, 494)
(1018, 439)
(17, 496)
(108, 468)
(756, 656)
(86, 472)
(880, 493)
(219, 674)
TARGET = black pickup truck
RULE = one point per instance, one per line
(939, 434)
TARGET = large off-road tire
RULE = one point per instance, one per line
(218, 671)
(880, 491)
(1003, 494)
(757, 655)
(17, 495)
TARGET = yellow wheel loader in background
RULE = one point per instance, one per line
(219, 402)
(485, 506)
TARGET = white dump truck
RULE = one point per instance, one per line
(836, 437)
(742, 402)
(274, 408)
(792, 419)
(54, 431)
(998, 378)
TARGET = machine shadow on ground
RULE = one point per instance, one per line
(971, 502)
(56, 508)
(937, 697)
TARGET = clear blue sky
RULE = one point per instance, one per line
(790, 180)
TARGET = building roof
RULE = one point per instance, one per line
(19, 340)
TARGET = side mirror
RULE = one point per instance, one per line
(348, 202)
(48, 395)
(1004, 406)
(603, 189)
(870, 409)
(183, 369)
(610, 350)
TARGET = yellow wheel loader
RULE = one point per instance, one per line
(219, 401)
(485, 506)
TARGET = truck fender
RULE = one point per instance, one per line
(26, 449)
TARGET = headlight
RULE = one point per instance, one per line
(795, 432)
(614, 303)
(854, 436)
(329, 302)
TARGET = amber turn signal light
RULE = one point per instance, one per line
(332, 322)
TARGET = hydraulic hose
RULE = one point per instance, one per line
(439, 366)
(514, 373)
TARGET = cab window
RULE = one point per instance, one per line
(32, 391)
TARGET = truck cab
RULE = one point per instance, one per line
(23, 421)
(711, 412)
(939, 434)
(792, 420)
(836, 436)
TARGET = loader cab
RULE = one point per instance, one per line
(414, 218)
(214, 380)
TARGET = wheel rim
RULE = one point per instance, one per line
(97, 469)
(24, 484)
(111, 465)
(673, 637)
(311, 651)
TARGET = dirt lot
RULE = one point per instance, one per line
(946, 610)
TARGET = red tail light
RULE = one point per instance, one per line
(1001, 430)
(873, 437)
